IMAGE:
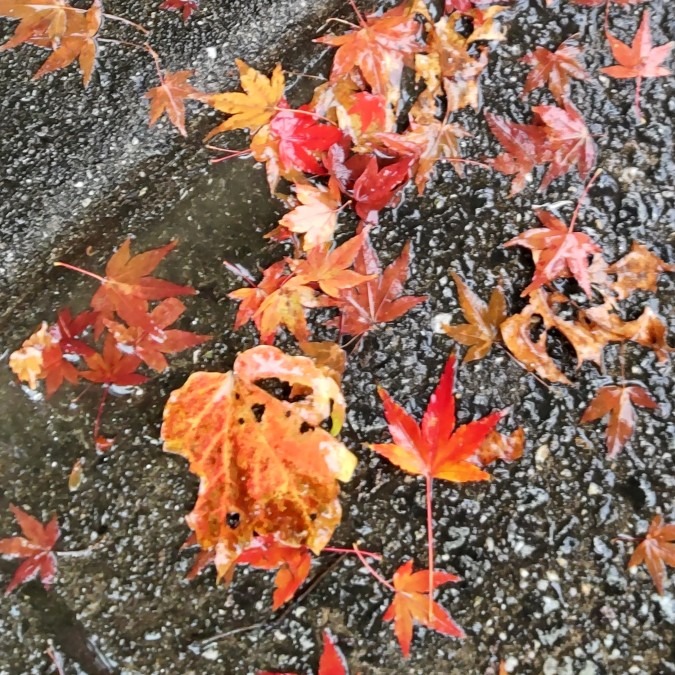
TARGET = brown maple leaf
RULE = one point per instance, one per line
(638, 60)
(377, 301)
(498, 446)
(35, 546)
(554, 69)
(169, 97)
(617, 403)
(265, 465)
(379, 48)
(639, 269)
(656, 550)
(255, 107)
(484, 320)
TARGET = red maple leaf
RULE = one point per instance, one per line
(377, 301)
(526, 147)
(436, 448)
(411, 605)
(569, 141)
(113, 367)
(186, 7)
(68, 329)
(379, 49)
(639, 59)
(617, 403)
(35, 546)
(656, 550)
(127, 285)
(554, 69)
(332, 661)
(558, 251)
(150, 345)
(302, 138)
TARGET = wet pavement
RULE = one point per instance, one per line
(544, 587)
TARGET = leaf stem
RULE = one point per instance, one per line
(359, 16)
(430, 540)
(80, 270)
(587, 187)
(99, 414)
(373, 572)
(121, 19)
(346, 551)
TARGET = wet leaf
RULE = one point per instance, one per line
(113, 367)
(169, 98)
(555, 69)
(616, 402)
(656, 550)
(638, 270)
(436, 448)
(484, 320)
(498, 446)
(411, 605)
(253, 108)
(184, 7)
(265, 465)
(377, 301)
(638, 60)
(35, 547)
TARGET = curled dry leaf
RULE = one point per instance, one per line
(482, 331)
(656, 550)
(617, 402)
(265, 465)
(35, 547)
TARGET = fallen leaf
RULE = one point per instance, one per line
(436, 448)
(555, 69)
(35, 546)
(638, 270)
(169, 97)
(617, 403)
(380, 300)
(638, 60)
(253, 108)
(265, 465)
(113, 367)
(656, 550)
(411, 605)
(500, 446)
(185, 7)
(482, 331)
(332, 661)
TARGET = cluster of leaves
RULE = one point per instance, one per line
(120, 332)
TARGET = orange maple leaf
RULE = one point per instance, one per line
(617, 402)
(436, 448)
(252, 109)
(656, 550)
(411, 605)
(169, 97)
(36, 546)
(265, 465)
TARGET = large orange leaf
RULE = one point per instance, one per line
(265, 464)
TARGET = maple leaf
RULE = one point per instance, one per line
(78, 41)
(436, 448)
(411, 605)
(68, 329)
(35, 546)
(328, 268)
(332, 661)
(150, 345)
(516, 333)
(169, 97)
(617, 403)
(639, 269)
(638, 60)
(484, 320)
(255, 107)
(569, 141)
(46, 20)
(554, 69)
(301, 138)
(113, 367)
(377, 301)
(656, 550)
(559, 251)
(316, 216)
(265, 465)
(500, 446)
(526, 147)
(379, 48)
(185, 7)
(127, 285)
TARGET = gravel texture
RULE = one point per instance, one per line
(544, 586)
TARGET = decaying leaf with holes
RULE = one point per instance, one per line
(265, 464)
